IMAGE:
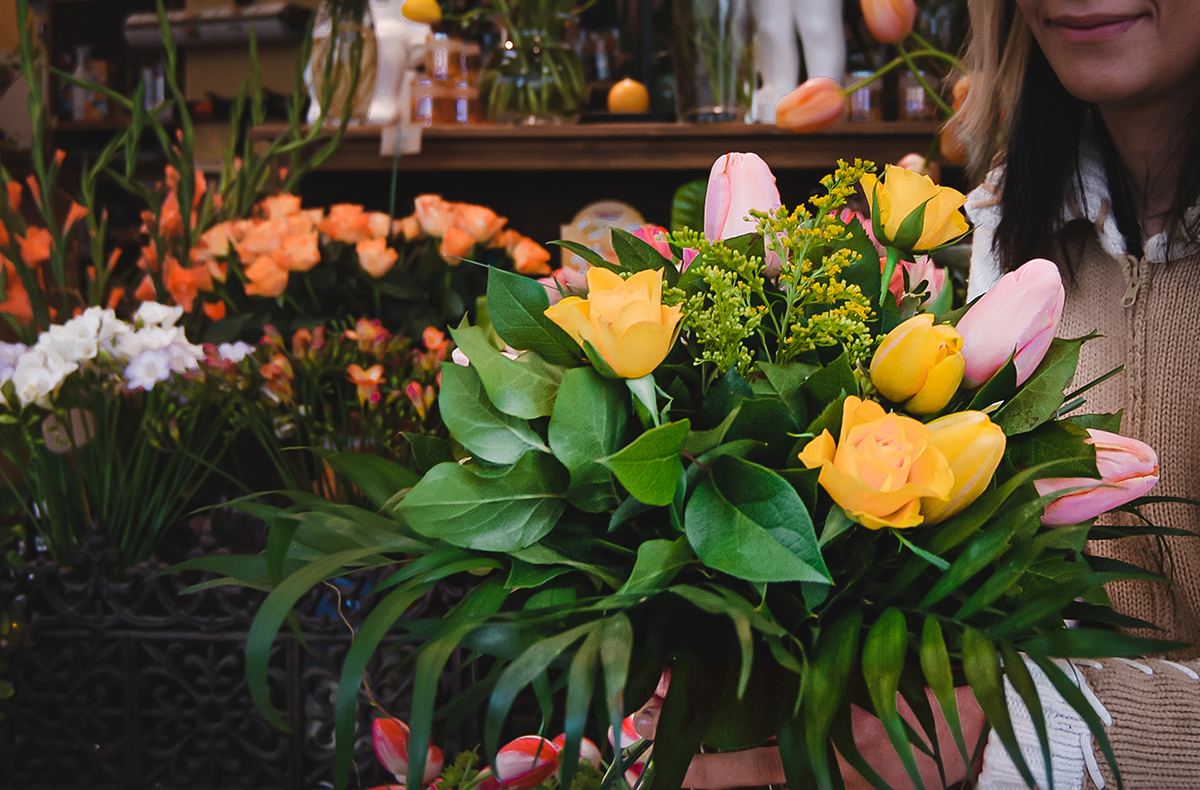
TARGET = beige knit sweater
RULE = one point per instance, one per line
(1148, 312)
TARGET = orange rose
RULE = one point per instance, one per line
(479, 222)
(297, 252)
(375, 256)
(280, 206)
(267, 278)
(530, 258)
(881, 466)
(346, 222)
(378, 225)
(408, 227)
(433, 214)
(455, 245)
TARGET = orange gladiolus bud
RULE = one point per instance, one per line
(214, 310)
(115, 296)
(889, 21)
(14, 195)
(16, 299)
(145, 291)
(75, 214)
(4, 238)
(817, 104)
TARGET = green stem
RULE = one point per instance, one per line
(934, 52)
(893, 257)
(941, 103)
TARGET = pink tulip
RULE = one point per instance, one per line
(391, 740)
(589, 752)
(656, 237)
(923, 270)
(1019, 314)
(526, 762)
(889, 20)
(1128, 469)
(737, 184)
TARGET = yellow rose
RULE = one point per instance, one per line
(902, 192)
(881, 467)
(919, 364)
(622, 321)
(973, 446)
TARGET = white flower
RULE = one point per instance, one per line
(9, 354)
(38, 374)
(150, 338)
(110, 327)
(147, 369)
(74, 341)
(184, 356)
(234, 352)
(155, 314)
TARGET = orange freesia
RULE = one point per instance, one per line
(35, 246)
(531, 258)
(455, 245)
(75, 214)
(267, 277)
(375, 256)
(434, 339)
(421, 398)
(367, 334)
(479, 222)
(146, 291)
(214, 310)
(889, 21)
(280, 206)
(817, 104)
(367, 381)
(16, 299)
(14, 195)
(301, 340)
(346, 222)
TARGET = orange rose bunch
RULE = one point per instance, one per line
(460, 227)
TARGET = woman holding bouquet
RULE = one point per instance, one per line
(1087, 115)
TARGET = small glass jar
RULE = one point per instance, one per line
(915, 103)
(866, 103)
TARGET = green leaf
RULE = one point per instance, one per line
(589, 423)
(833, 658)
(999, 388)
(429, 451)
(517, 309)
(981, 665)
(935, 664)
(657, 563)
(883, 655)
(687, 207)
(511, 510)
(788, 382)
(524, 387)
(827, 384)
(636, 255)
(1041, 396)
(1095, 643)
(616, 645)
(1056, 441)
(1104, 422)
(1023, 685)
(747, 521)
(378, 478)
(479, 426)
(650, 466)
(581, 685)
(1075, 698)
(588, 254)
(700, 442)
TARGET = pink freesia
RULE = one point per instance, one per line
(656, 237)
(589, 752)
(737, 184)
(1128, 469)
(526, 762)
(1017, 318)
(391, 739)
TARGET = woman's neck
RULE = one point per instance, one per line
(1146, 140)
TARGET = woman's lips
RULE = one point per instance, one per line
(1092, 28)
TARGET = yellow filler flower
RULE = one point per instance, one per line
(622, 324)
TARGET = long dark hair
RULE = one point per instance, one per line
(1041, 158)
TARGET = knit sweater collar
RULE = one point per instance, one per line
(1088, 200)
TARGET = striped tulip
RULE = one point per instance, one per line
(526, 762)
(391, 739)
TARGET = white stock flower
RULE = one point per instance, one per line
(74, 341)
(234, 352)
(155, 314)
(38, 374)
(184, 356)
(9, 354)
(150, 338)
(147, 369)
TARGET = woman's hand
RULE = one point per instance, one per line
(763, 766)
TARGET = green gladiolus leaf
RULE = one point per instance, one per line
(517, 309)
(378, 478)
(478, 425)
(650, 466)
(524, 387)
(981, 665)
(747, 521)
(502, 512)
(884, 651)
(589, 423)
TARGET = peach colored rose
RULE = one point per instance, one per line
(280, 206)
(267, 278)
(375, 256)
(530, 258)
(479, 222)
(433, 214)
(455, 245)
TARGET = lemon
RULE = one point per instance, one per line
(628, 96)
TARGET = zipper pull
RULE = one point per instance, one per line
(1135, 281)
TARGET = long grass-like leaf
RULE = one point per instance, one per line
(981, 664)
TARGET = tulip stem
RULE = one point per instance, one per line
(934, 52)
(912, 66)
(893, 257)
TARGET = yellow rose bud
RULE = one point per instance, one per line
(881, 467)
(973, 446)
(902, 192)
(623, 321)
(919, 364)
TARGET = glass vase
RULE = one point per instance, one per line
(343, 41)
(533, 77)
(713, 51)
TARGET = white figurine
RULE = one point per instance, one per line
(778, 54)
(400, 47)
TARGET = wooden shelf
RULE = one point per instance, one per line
(627, 146)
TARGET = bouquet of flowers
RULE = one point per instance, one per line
(762, 473)
(112, 426)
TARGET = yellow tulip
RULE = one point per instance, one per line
(624, 322)
(973, 446)
(902, 192)
(881, 468)
(919, 364)
(424, 11)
